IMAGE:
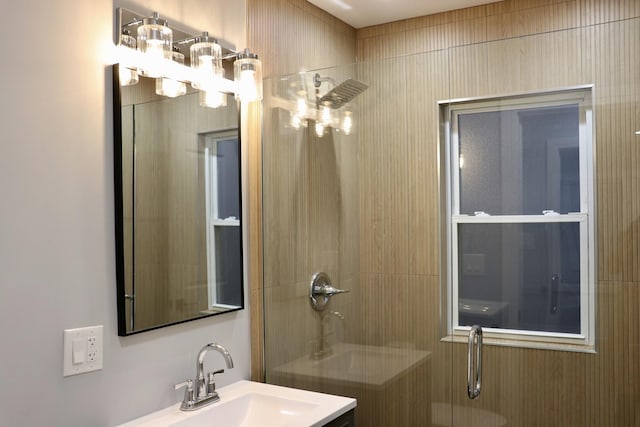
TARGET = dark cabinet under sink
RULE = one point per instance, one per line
(345, 420)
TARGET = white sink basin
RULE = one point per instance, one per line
(248, 404)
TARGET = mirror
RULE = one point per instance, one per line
(178, 208)
(177, 186)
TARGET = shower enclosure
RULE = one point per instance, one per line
(538, 245)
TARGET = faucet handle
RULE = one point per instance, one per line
(189, 393)
(211, 383)
(186, 383)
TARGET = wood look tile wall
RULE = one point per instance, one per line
(508, 47)
(504, 47)
(292, 36)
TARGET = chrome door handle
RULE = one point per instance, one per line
(474, 382)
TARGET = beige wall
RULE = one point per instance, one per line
(506, 47)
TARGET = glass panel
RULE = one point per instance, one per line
(227, 165)
(342, 204)
(520, 276)
(228, 265)
(519, 162)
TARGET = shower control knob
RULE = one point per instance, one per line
(321, 291)
(329, 291)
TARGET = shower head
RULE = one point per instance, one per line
(341, 94)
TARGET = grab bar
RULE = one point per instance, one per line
(474, 383)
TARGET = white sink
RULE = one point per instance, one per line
(248, 404)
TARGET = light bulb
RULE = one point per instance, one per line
(171, 87)
(295, 121)
(206, 60)
(212, 99)
(325, 115)
(319, 130)
(128, 75)
(247, 87)
(301, 106)
(247, 71)
(347, 123)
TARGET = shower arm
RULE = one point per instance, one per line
(317, 80)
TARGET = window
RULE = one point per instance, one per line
(519, 205)
(223, 213)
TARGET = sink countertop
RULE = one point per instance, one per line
(320, 408)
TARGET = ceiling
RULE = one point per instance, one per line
(363, 13)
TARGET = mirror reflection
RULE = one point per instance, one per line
(178, 188)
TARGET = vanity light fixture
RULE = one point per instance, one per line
(155, 42)
(153, 54)
(247, 70)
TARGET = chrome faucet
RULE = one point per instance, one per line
(322, 347)
(204, 392)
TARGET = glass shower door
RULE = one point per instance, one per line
(360, 207)
(540, 232)
(363, 207)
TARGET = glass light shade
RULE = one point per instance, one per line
(319, 130)
(170, 87)
(206, 59)
(297, 121)
(247, 71)
(128, 75)
(347, 123)
(209, 96)
(301, 106)
(325, 115)
(212, 99)
(155, 40)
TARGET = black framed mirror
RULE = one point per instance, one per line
(178, 207)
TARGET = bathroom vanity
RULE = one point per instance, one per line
(248, 404)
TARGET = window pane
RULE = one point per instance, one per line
(228, 179)
(519, 162)
(520, 276)
(228, 265)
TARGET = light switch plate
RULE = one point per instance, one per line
(82, 350)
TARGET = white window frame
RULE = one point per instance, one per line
(211, 141)
(450, 207)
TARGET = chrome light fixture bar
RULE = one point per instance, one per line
(162, 52)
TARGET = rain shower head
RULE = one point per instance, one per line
(341, 94)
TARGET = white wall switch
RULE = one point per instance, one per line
(82, 350)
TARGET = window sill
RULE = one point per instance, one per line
(487, 339)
